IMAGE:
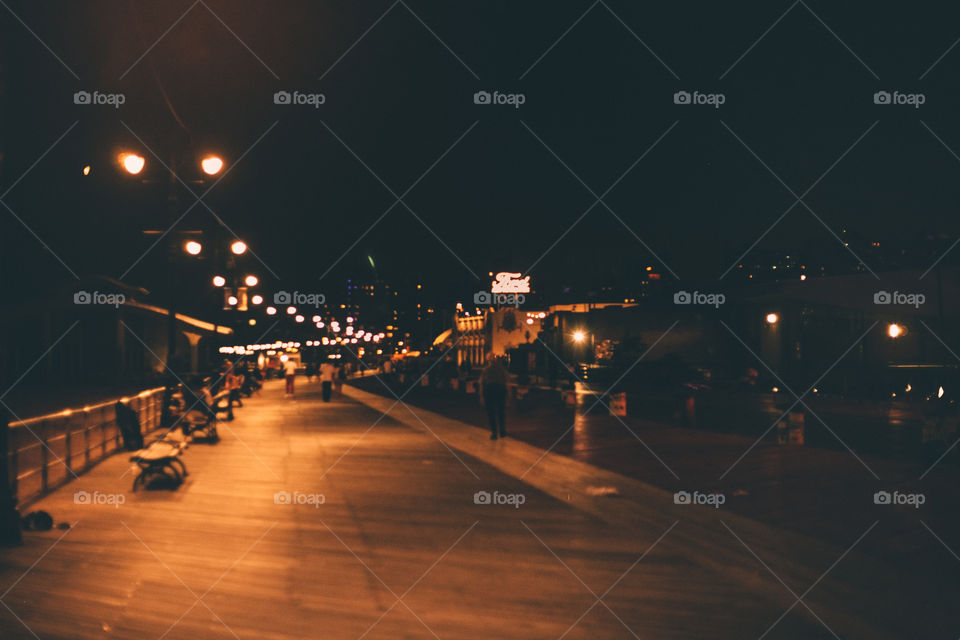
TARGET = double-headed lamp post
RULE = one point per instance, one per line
(133, 163)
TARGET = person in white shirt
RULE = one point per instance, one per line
(290, 369)
(327, 373)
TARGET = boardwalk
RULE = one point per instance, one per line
(397, 549)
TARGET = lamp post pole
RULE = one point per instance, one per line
(9, 516)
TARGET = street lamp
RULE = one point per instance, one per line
(193, 247)
(257, 299)
(238, 248)
(232, 301)
(219, 281)
(291, 310)
(772, 318)
(894, 330)
(132, 163)
(271, 311)
(211, 165)
(251, 281)
(579, 336)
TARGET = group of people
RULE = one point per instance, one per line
(331, 376)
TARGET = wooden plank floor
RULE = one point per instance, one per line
(398, 549)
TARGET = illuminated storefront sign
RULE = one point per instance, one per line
(506, 282)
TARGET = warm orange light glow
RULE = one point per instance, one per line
(239, 247)
(271, 311)
(894, 330)
(291, 310)
(299, 318)
(252, 321)
(211, 165)
(132, 163)
(579, 336)
(193, 247)
(772, 318)
(257, 299)
(219, 281)
(86, 170)
(252, 281)
(232, 301)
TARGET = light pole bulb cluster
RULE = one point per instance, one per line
(211, 165)
(132, 163)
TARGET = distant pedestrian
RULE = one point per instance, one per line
(311, 371)
(493, 381)
(233, 382)
(327, 375)
(290, 369)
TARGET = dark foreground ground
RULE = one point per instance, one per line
(825, 493)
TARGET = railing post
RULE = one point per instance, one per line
(44, 457)
(68, 453)
(9, 516)
(103, 439)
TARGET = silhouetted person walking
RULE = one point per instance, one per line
(493, 381)
(290, 368)
(327, 373)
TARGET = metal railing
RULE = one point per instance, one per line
(48, 451)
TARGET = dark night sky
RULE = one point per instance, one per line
(499, 199)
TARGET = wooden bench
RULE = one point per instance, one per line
(160, 458)
(197, 419)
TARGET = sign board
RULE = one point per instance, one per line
(507, 282)
(618, 404)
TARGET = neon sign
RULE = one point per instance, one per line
(506, 282)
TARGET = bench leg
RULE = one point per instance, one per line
(179, 465)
